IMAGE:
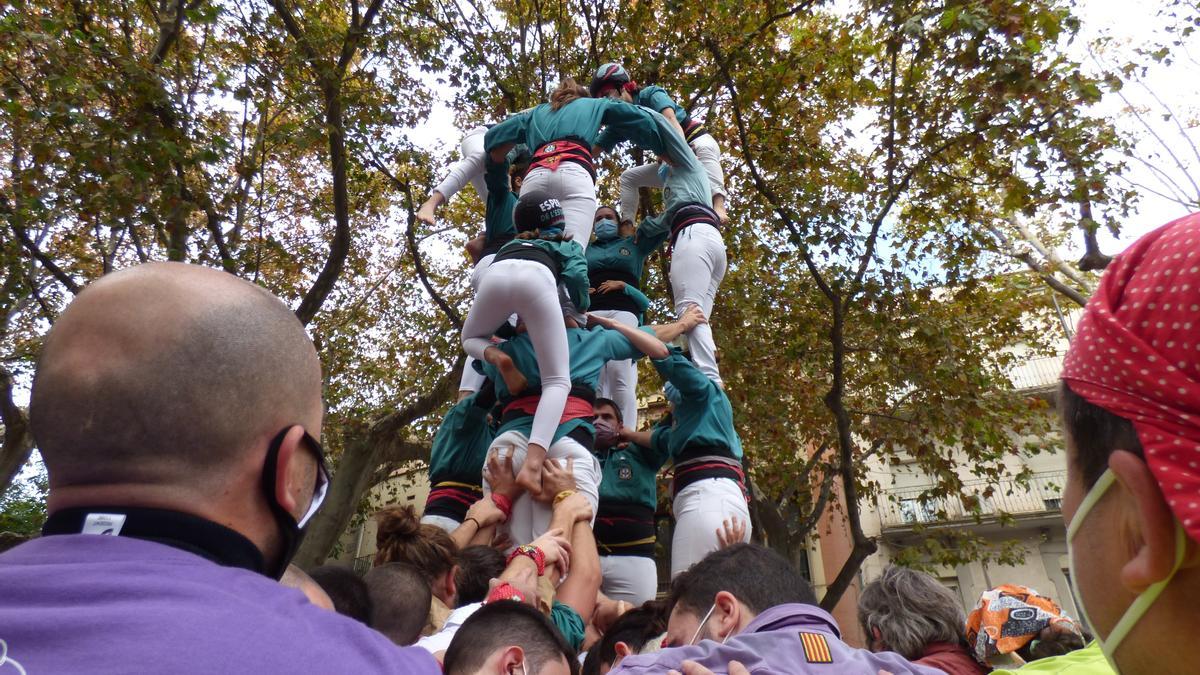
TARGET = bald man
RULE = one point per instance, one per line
(177, 410)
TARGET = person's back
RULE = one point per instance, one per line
(746, 604)
(176, 409)
(115, 604)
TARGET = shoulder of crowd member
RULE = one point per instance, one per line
(569, 623)
(186, 613)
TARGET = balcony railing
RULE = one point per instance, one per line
(1036, 373)
(1043, 494)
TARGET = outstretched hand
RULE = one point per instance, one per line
(556, 479)
(693, 316)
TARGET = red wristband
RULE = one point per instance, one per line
(534, 553)
(504, 591)
(503, 503)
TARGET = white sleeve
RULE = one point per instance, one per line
(468, 169)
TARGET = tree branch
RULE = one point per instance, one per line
(18, 442)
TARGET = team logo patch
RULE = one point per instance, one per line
(548, 148)
(625, 251)
(816, 648)
(625, 473)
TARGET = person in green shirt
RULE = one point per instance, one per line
(456, 460)
(615, 261)
(628, 499)
(524, 279)
(707, 453)
(573, 439)
(560, 135)
(612, 80)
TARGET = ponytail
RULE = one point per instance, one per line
(568, 90)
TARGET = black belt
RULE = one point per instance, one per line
(693, 130)
(494, 246)
(694, 213)
(613, 300)
(520, 250)
(625, 529)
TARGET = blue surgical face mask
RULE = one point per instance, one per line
(605, 229)
(1142, 603)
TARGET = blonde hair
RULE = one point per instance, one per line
(568, 90)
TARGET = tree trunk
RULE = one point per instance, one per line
(18, 442)
(357, 466)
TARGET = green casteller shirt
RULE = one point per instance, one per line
(704, 416)
(579, 120)
(629, 474)
(686, 183)
(572, 266)
(654, 98)
(569, 623)
(498, 220)
(624, 254)
(461, 443)
(1087, 661)
(589, 351)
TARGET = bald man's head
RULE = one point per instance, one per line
(169, 373)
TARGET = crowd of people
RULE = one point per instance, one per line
(178, 410)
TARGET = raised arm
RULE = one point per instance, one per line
(639, 298)
(662, 102)
(581, 585)
(498, 217)
(573, 272)
(691, 318)
(640, 340)
(502, 137)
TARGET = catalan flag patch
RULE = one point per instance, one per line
(816, 648)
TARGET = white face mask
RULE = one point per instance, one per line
(1142, 603)
(704, 621)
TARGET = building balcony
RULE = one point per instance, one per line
(1041, 498)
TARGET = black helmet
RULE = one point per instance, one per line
(537, 210)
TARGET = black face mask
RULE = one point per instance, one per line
(291, 531)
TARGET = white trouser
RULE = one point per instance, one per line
(632, 578)
(697, 267)
(530, 519)
(700, 510)
(447, 524)
(618, 379)
(471, 381)
(529, 289)
(709, 154)
(644, 176)
(467, 169)
(573, 186)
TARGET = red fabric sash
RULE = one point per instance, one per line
(576, 407)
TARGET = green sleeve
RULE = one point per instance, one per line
(654, 229)
(619, 346)
(630, 122)
(638, 298)
(511, 130)
(682, 373)
(658, 100)
(569, 623)
(573, 272)
(660, 441)
(498, 220)
(607, 140)
(646, 243)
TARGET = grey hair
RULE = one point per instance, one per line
(910, 610)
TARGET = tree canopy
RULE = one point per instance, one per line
(889, 163)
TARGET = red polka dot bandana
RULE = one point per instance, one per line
(1137, 355)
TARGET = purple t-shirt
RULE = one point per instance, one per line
(88, 603)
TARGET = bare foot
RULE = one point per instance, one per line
(513, 379)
